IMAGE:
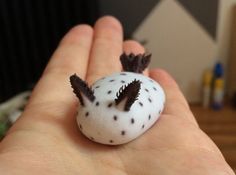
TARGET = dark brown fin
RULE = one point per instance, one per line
(129, 93)
(79, 87)
(135, 63)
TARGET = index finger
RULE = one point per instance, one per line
(53, 96)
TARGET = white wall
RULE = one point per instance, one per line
(224, 29)
(181, 46)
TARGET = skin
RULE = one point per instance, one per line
(46, 140)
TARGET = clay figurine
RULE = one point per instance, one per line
(118, 108)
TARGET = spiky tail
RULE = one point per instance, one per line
(135, 63)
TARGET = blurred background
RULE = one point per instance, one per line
(194, 40)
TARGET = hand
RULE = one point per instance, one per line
(45, 140)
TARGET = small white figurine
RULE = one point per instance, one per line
(120, 107)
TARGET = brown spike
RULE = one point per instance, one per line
(129, 92)
(135, 63)
(79, 87)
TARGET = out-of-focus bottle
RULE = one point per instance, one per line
(207, 81)
(218, 87)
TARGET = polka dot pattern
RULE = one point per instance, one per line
(107, 123)
(132, 121)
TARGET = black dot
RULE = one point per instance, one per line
(111, 80)
(123, 74)
(108, 92)
(146, 90)
(140, 103)
(91, 138)
(143, 126)
(122, 133)
(97, 103)
(154, 88)
(87, 114)
(109, 105)
(151, 80)
(150, 100)
(132, 120)
(122, 81)
(111, 141)
(80, 126)
(97, 87)
(149, 117)
(115, 117)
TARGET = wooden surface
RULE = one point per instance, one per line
(221, 127)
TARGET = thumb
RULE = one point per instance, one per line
(176, 104)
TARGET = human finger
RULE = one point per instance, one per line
(52, 96)
(176, 103)
(106, 49)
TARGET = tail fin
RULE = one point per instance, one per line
(135, 63)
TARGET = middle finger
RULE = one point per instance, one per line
(106, 49)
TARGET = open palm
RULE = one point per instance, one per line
(45, 140)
